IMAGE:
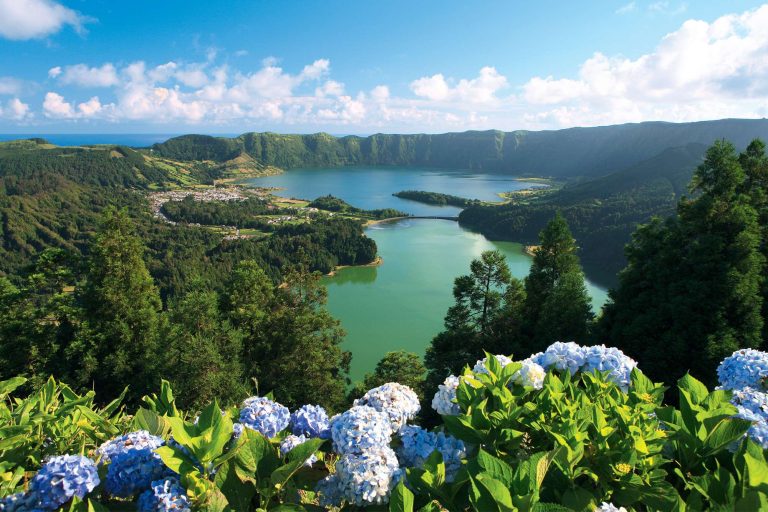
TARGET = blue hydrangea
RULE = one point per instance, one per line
(418, 444)
(753, 406)
(329, 491)
(311, 421)
(140, 439)
(531, 375)
(264, 415)
(291, 442)
(444, 401)
(396, 400)
(561, 356)
(744, 368)
(237, 430)
(453, 451)
(359, 429)
(609, 507)
(165, 495)
(480, 364)
(61, 478)
(133, 471)
(612, 360)
(19, 502)
(367, 478)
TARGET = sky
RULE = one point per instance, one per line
(361, 67)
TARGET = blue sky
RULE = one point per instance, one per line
(362, 67)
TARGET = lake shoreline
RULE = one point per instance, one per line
(375, 263)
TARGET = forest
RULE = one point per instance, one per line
(435, 198)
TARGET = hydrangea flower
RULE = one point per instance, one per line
(164, 495)
(62, 478)
(609, 507)
(264, 415)
(530, 375)
(368, 477)
(359, 429)
(561, 356)
(612, 360)
(19, 502)
(744, 368)
(291, 442)
(133, 471)
(753, 406)
(418, 444)
(398, 401)
(237, 430)
(141, 439)
(329, 491)
(444, 401)
(480, 364)
(311, 421)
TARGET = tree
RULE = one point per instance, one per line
(118, 344)
(292, 344)
(203, 352)
(557, 306)
(400, 366)
(690, 294)
(485, 316)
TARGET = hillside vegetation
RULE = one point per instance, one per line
(602, 212)
(562, 153)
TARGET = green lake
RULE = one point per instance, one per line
(401, 303)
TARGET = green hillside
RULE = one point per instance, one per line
(566, 153)
(602, 212)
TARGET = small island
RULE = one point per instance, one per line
(436, 198)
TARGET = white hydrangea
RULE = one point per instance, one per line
(530, 375)
(444, 401)
(480, 364)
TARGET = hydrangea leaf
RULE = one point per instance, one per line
(401, 499)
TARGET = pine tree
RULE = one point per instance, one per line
(203, 352)
(690, 294)
(118, 344)
(557, 306)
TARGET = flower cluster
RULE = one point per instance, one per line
(575, 358)
(264, 415)
(60, 479)
(310, 421)
(398, 401)
(133, 463)
(481, 368)
(609, 507)
(164, 495)
(418, 444)
(611, 360)
(360, 428)
(561, 356)
(133, 471)
(530, 375)
(444, 401)
(133, 440)
(753, 406)
(362, 478)
(291, 442)
(745, 368)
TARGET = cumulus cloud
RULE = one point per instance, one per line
(34, 19)
(15, 110)
(481, 89)
(84, 76)
(702, 70)
(10, 85)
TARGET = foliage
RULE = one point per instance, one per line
(436, 198)
(334, 204)
(691, 293)
(400, 366)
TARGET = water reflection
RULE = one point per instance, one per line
(355, 275)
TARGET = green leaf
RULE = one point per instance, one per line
(239, 494)
(550, 507)
(255, 458)
(7, 386)
(724, 433)
(401, 499)
(144, 419)
(297, 457)
(494, 467)
(488, 494)
(697, 391)
(176, 460)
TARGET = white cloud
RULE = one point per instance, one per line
(664, 7)
(84, 76)
(55, 106)
(627, 8)
(481, 89)
(10, 85)
(33, 19)
(15, 110)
